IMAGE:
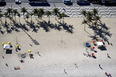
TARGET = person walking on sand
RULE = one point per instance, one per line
(7, 65)
(108, 56)
(100, 67)
(106, 74)
(110, 75)
(3, 57)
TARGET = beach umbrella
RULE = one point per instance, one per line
(101, 40)
(93, 41)
(87, 45)
(93, 47)
(17, 45)
(9, 43)
(92, 54)
(3, 43)
(23, 55)
(29, 51)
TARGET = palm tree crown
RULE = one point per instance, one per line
(35, 11)
(41, 11)
(15, 12)
(23, 10)
(55, 11)
(83, 12)
(9, 11)
(48, 13)
(95, 11)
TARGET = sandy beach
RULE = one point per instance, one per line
(60, 50)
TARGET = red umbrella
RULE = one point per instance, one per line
(92, 54)
(93, 41)
(93, 47)
(101, 40)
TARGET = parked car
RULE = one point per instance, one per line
(2, 3)
(83, 2)
(17, 1)
(68, 2)
(103, 1)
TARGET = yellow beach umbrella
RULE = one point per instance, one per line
(3, 43)
(17, 45)
(29, 51)
(9, 43)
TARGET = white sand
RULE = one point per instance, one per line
(57, 56)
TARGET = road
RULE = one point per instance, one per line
(26, 1)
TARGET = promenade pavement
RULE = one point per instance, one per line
(72, 11)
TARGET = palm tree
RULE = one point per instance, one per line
(27, 16)
(0, 11)
(1, 15)
(95, 23)
(15, 12)
(6, 15)
(19, 16)
(60, 16)
(84, 22)
(41, 11)
(55, 11)
(95, 12)
(9, 11)
(63, 15)
(89, 14)
(31, 14)
(23, 10)
(97, 18)
(89, 19)
(48, 13)
(84, 13)
(35, 11)
(39, 15)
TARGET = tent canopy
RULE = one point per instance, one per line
(6, 46)
(99, 43)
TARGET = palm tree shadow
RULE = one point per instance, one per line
(8, 29)
(16, 26)
(102, 31)
(2, 32)
(65, 26)
(33, 26)
(44, 25)
(33, 40)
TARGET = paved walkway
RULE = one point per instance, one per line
(72, 11)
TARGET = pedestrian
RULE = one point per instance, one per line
(100, 67)
(108, 56)
(106, 74)
(65, 72)
(3, 57)
(111, 44)
(7, 65)
(110, 75)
